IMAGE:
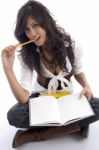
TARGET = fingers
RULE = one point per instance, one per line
(8, 50)
(88, 94)
(82, 94)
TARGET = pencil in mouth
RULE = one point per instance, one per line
(25, 43)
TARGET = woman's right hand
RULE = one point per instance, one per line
(8, 57)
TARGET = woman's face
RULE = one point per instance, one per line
(34, 31)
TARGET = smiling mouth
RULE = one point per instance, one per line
(36, 38)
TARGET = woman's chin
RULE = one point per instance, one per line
(38, 43)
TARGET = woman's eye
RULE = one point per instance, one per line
(35, 25)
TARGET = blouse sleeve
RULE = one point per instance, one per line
(26, 76)
(77, 60)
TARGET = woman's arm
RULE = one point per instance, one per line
(8, 56)
(83, 82)
(21, 94)
(81, 79)
(79, 74)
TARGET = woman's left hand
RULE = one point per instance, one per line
(87, 92)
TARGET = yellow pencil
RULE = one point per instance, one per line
(25, 43)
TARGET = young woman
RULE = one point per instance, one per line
(52, 53)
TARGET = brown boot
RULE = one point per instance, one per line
(85, 131)
(22, 137)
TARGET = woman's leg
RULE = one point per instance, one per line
(18, 115)
(95, 105)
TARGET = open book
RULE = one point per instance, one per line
(49, 111)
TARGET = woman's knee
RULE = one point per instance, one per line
(12, 115)
(18, 115)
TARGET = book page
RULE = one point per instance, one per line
(43, 110)
(72, 107)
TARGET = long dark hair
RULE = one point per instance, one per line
(58, 41)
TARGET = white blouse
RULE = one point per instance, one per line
(28, 78)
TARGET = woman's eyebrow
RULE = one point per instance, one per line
(32, 23)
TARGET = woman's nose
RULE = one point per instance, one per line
(33, 34)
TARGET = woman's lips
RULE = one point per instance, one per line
(36, 38)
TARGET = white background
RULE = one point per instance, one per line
(80, 18)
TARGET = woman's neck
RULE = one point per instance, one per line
(46, 54)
